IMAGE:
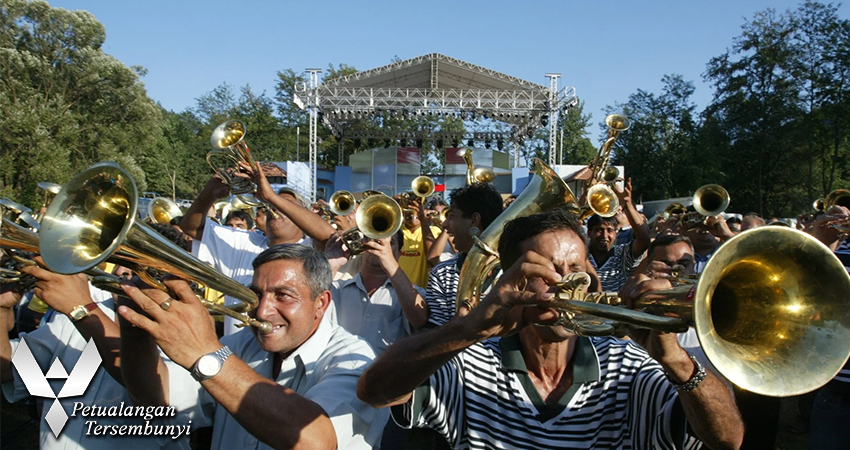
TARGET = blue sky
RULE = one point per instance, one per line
(607, 50)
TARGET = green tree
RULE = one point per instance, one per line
(65, 103)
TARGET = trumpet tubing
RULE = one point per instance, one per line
(342, 203)
(378, 217)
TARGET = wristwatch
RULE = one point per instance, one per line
(695, 380)
(82, 311)
(210, 364)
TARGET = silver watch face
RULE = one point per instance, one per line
(208, 365)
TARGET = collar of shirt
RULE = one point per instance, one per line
(585, 360)
(300, 363)
(358, 281)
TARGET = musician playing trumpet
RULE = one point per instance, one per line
(495, 379)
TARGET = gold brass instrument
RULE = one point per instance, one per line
(162, 210)
(770, 310)
(473, 175)
(709, 200)
(93, 219)
(342, 203)
(378, 217)
(370, 192)
(674, 209)
(838, 197)
(601, 198)
(423, 186)
(818, 204)
(228, 144)
(544, 192)
(18, 213)
(438, 218)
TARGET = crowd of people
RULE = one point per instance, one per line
(368, 350)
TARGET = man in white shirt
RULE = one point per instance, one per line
(291, 388)
(230, 250)
(380, 303)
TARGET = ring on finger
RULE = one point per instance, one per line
(165, 305)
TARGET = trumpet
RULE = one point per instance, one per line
(18, 213)
(838, 197)
(438, 218)
(93, 220)
(601, 198)
(768, 300)
(378, 217)
(227, 141)
(423, 186)
(709, 200)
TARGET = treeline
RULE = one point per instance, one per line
(775, 134)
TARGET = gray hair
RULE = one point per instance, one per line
(317, 270)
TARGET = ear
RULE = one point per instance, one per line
(476, 220)
(323, 302)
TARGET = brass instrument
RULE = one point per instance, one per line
(838, 197)
(770, 310)
(50, 191)
(709, 200)
(601, 198)
(18, 213)
(423, 186)
(227, 141)
(342, 203)
(473, 175)
(370, 192)
(163, 210)
(544, 192)
(93, 219)
(378, 217)
(818, 204)
(674, 209)
(438, 218)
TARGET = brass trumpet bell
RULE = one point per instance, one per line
(163, 210)
(602, 200)
(818, 204)
(93, 219)
(422, 186)
(342, 203)
(711, 200)
(673, 209)
(378, 217)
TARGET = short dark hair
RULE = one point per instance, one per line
(169, 232)
(176, 220)
(481, 198)
(436, 202)
(317, 270)
(522, 228)
(597, 220)
(239, 214)
(733, 219)
(669, 239)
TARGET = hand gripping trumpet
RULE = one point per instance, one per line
(94, 219)
(770, 310)
(228, 142)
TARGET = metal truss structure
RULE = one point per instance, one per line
(436, 85)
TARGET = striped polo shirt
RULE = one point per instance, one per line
(441, 295)
(617, 268)
(483, 398)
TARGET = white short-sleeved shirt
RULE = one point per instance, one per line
(324, 369)
(59, 339)
(378, 319)
(231, 251)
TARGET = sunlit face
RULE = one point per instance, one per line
(602, 236)
(287, 303)
(261, 220)
(281, 227)
(458, 227)
(569, 255)
(237, 222)
(679, 253)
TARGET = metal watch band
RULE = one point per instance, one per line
(225, 352)
(694, 381)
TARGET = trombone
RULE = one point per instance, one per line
(93, 220)
(770, 311)
(227, 141)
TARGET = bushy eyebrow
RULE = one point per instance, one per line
(275, 289)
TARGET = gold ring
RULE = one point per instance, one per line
(165, 305)
(466, 304)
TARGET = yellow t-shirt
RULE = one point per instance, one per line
(413, 260)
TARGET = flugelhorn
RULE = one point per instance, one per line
(93, 219)
(342, 203)
(770, 310)
(601, 198)
(163, 210)
(544, 192)
(378, 217)
(228, 143)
